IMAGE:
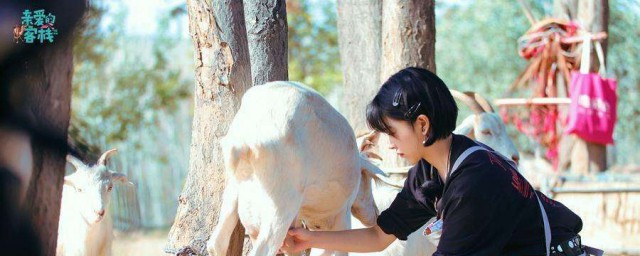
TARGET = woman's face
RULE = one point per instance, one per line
(406, 139)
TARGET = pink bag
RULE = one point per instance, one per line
(592, 112)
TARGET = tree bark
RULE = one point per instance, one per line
(222, 76)
(266, 22)
(408, 35)
(35, 87)
(584, 157)
(360, 40)
(50, 102)
(408, 40)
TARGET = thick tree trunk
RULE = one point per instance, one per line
(582, 156)
(266, 22)
(408, 35)
(35, 87)
(360, 39)
(222, 76)
(408, 40)
(50, 102)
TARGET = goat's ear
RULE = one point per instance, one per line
(466, 127)
(77, 164)
(121, 178)
(68, 181)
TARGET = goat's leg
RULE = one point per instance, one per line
(105, 247)
(273, 232)
(218, 243)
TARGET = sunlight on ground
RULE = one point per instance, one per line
(148, 242)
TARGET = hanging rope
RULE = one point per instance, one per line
(553, 48)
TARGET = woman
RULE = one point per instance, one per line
(482, 204)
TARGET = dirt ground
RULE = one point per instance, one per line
(151, 242)
(147, 242)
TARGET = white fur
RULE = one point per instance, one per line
(290, 158)
(485, 125)
(489, 129)
(81, 230)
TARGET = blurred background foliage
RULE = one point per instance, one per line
(314, 57)
(132, 90)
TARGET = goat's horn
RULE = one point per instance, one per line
(482, 101)
(105, 156)
(468, 100)
(366, 133)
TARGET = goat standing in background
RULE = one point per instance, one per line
(485, 125)
(85, 228)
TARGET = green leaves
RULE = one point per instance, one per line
(314, 57)
(122, 80)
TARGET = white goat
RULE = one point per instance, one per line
(484, 126)
(84, 227)
(290, 158)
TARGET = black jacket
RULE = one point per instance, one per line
(487, 207)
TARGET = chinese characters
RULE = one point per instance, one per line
(36, 26)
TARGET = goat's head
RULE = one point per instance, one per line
(485, 125)
(91, 186)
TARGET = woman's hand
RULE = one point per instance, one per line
(298, 239)
(371, 239)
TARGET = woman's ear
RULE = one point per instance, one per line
(422, 121)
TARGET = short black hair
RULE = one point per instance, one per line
(409, 93)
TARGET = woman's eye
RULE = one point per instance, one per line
(109, 188)
(486, 132)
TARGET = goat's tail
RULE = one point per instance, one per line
(374, 172)
(234, 152)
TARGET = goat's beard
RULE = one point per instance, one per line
(98, 218)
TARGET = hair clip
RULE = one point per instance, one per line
(396, 98)
(412, 111)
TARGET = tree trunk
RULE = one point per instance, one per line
(408, 40)
(50, 102)
(408, 35)
(35, 87)
(266, 22)
(360, 39)
(582, 156)
(222, 76)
